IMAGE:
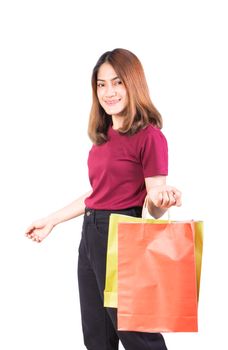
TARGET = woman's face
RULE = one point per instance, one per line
(111, 91)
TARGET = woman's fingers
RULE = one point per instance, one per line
(177, 195)
(29, 234)
(36, 235)
(36, 239)
(166, 198)
(29, 229)
(32, 236)
(159, 200)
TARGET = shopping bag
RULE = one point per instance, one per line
(111, 290)
(157, 289)
(198, 226)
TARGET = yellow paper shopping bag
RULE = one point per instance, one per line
(198, 251)
(111, 285)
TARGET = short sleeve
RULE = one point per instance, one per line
(154, 152)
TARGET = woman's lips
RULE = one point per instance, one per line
(112, 103)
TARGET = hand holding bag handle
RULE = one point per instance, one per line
(145, 211)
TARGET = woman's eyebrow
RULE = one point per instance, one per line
(108, 79)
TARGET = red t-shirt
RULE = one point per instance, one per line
(118, 168)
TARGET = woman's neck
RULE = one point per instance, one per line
(117, 122)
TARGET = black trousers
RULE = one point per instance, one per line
(99, 324)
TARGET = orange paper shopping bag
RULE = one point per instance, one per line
(157, 289)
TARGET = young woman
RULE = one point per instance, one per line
(127, 162)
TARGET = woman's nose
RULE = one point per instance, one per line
(110, 91)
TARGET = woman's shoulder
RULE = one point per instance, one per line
(153, 140)
(151, 131)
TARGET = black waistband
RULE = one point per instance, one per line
(112, 210)
(104, 213)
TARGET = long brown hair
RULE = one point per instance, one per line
(140, 110)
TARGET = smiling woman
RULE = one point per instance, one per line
(120, 90)
(127, 162)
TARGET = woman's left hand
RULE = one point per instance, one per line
(164, 196)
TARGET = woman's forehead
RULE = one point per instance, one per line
(106, 72)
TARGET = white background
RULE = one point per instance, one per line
(48, 49)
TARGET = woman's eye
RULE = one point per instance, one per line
(100, 85)
(118, 82)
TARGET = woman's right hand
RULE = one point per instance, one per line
(39, 229)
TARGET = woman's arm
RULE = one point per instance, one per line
(161, 196)
(41, 228)
(72, 210)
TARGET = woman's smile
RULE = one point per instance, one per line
(112, 102)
